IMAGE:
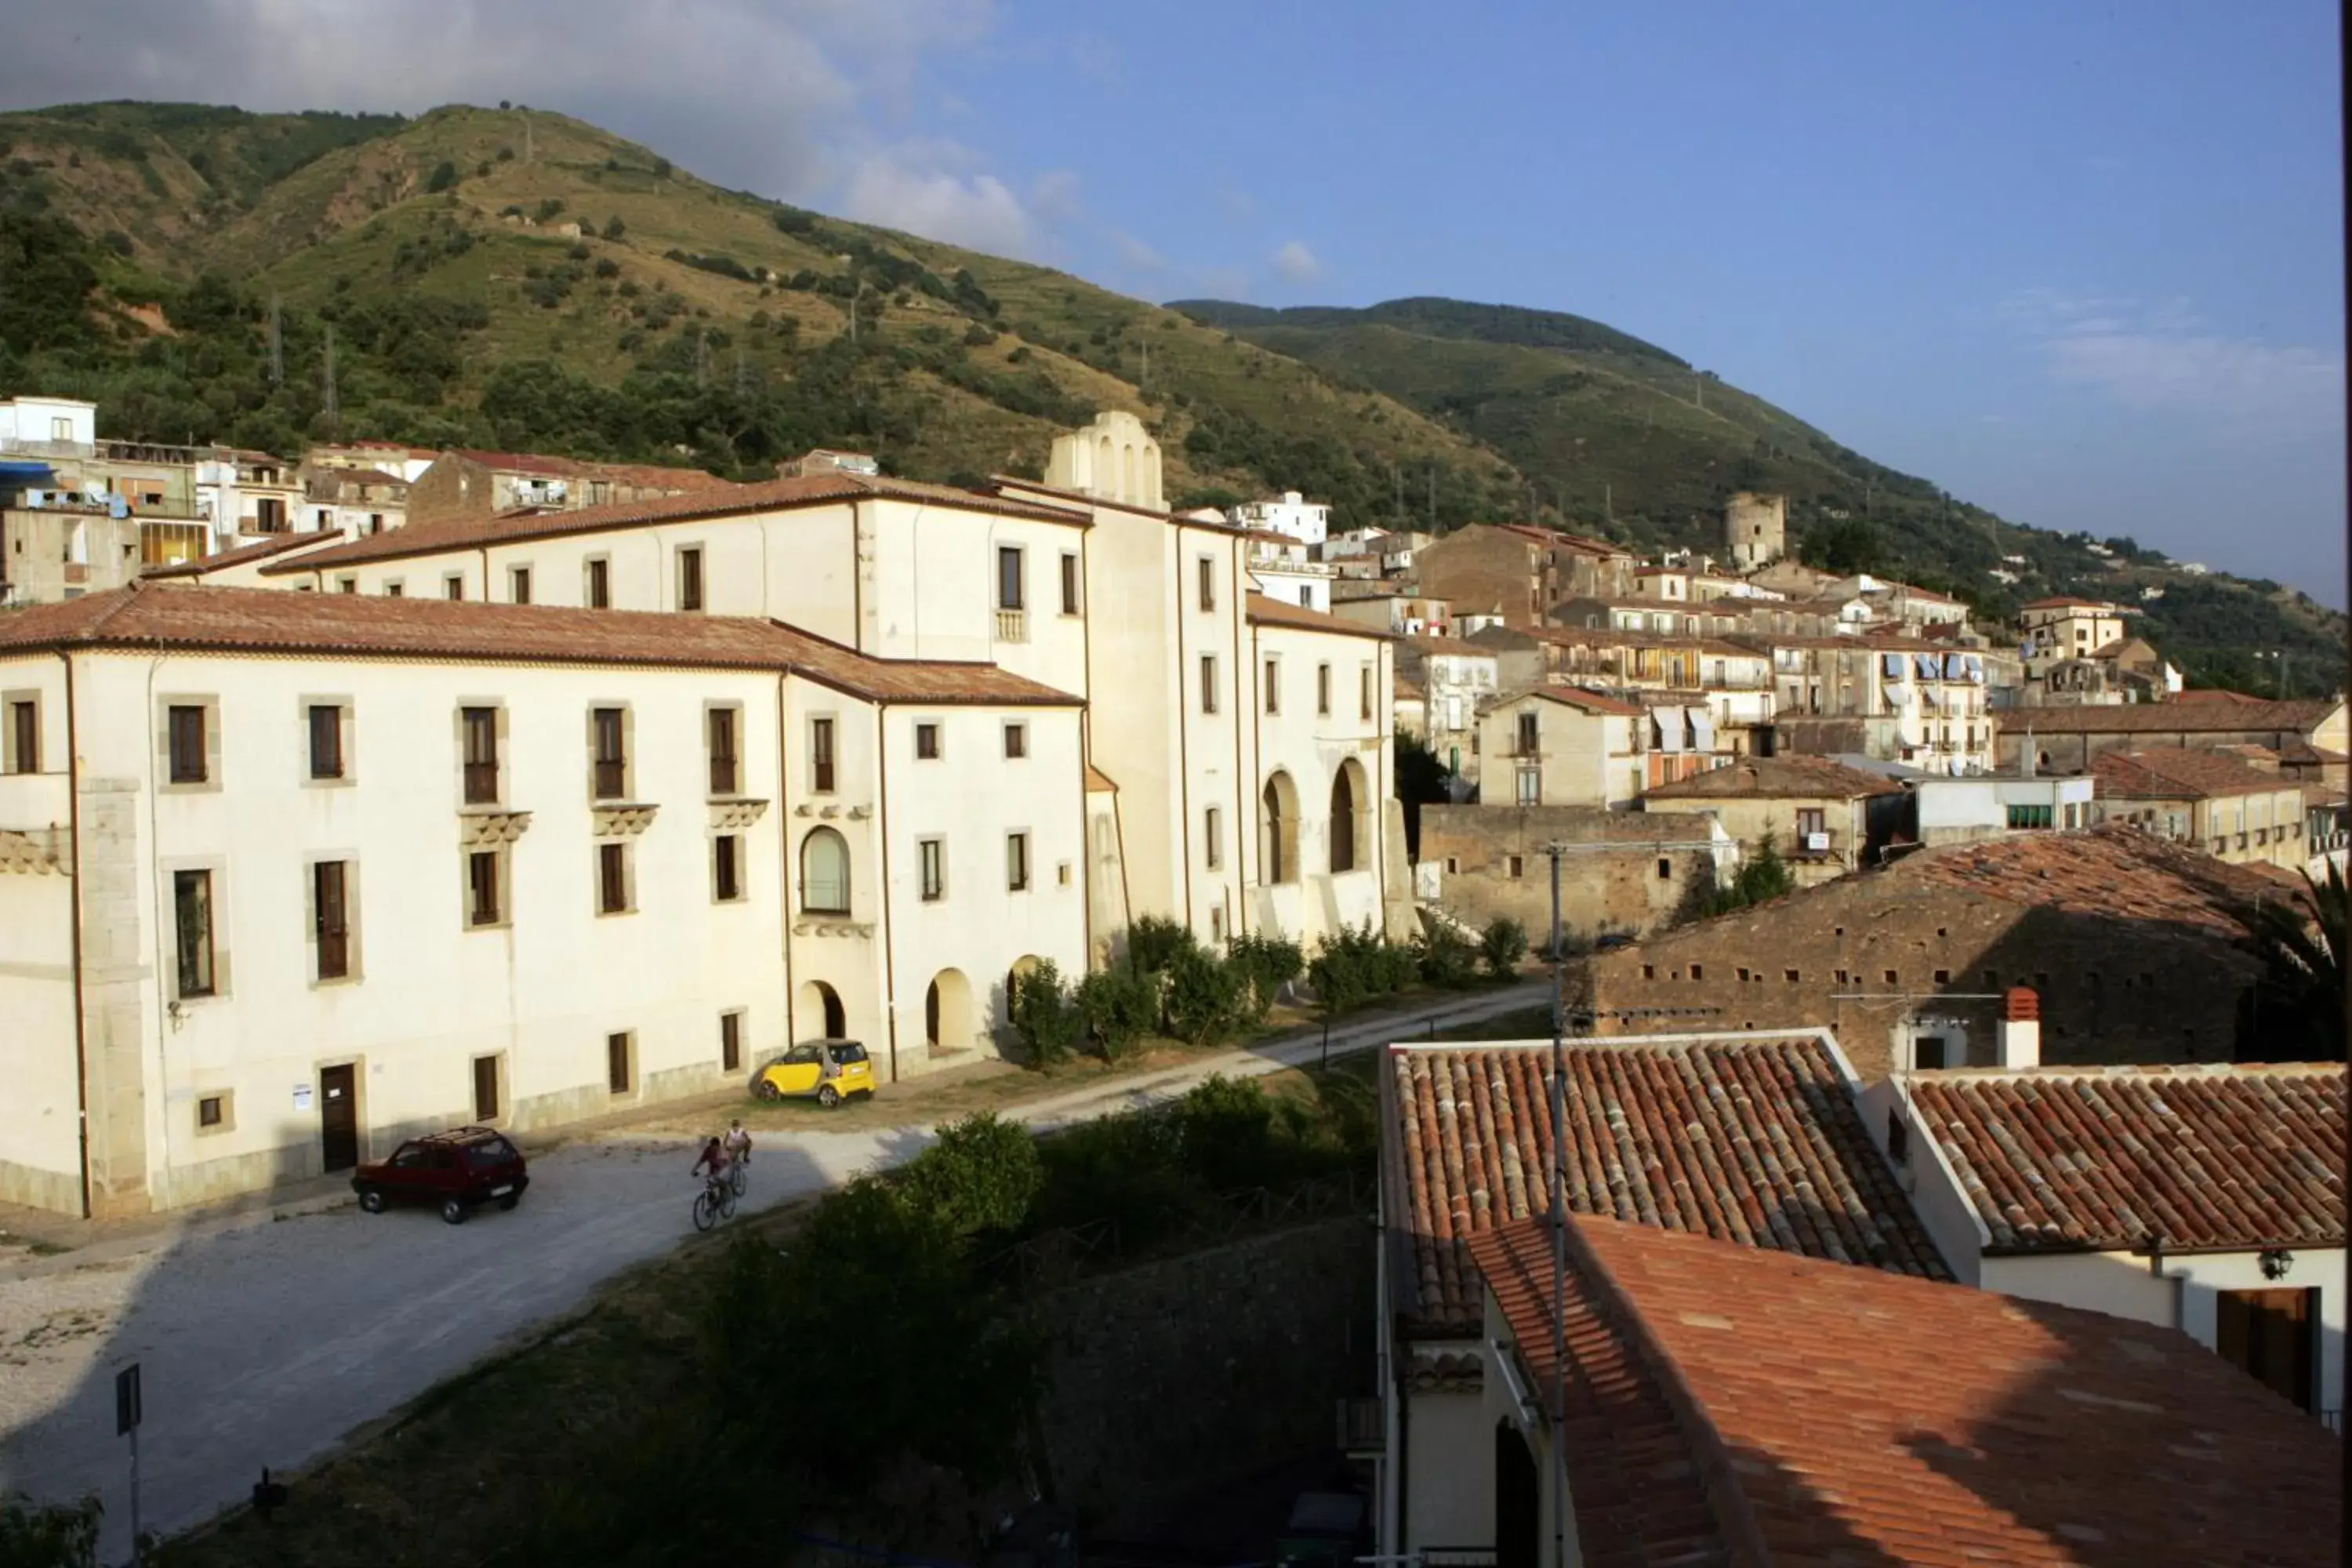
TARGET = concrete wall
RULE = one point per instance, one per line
(47, 555)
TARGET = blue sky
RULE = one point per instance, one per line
(2082, 264)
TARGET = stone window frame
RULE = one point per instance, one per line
(741, 1017)
(502, 859)
(346, 739)
(224, 1122)
(500, 731)
(628, 791)
(210, 703)
(740, 726)
(629, 859)
(522, 572)
(167, 870)
(354, 966)
(742, 893)
(680, 552)
(10, 763)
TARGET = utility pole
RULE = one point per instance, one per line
(1698, 387)
(1396, 473)
(1145, 380)
(277, 343)
(331, 408)
(1607, 503)
(701, 356)
(1559, 1220)
(1432, 498)
(526, 145)
(855, 300)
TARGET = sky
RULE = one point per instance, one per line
(2080, 263)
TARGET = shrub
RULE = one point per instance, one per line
(1266, 964)
(1224, 1134)
(552, 207)
(1502, 945)
(1042, 1012)
(661, 168)
(1153, 943)
(1445, 956)
(607, 267)
(49, 1535)
(977, 336)
(981, 1175)
(615, 228)
(1122, 1171)
(578, 250)
(1018, 357)
(1205, 1002)
(1118, 1006)
(444, 174)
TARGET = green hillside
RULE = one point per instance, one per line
(513, 277)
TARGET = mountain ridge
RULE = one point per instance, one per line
(515, 277)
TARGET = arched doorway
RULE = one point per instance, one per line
(1347, 816)
(947, 1012)
(1278, 830)
(821, 1007)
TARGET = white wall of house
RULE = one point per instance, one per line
(1449, 1476)
(40, 1141)
(1307, 747)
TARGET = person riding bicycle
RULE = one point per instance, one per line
(714, 1157)
(738, 1144)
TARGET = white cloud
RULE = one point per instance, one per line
(1135, 253)
(1054, 196)
(977, 211)
(1294, 263)
(2164, 359)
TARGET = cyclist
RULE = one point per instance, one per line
(738, 1144)
(714, 1158)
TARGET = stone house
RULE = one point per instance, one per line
(1724, 1405)
(1664, 1129)
(2066, 739)
(1520, 571)
(1454, 677)
(464, 483)
(2064, 627)
(2222, 802)
(2208, 1199)
(1561, 746)
(1824, 819)
(2129, 940)
(1625, 872)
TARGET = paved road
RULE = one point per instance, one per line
(267, 1344)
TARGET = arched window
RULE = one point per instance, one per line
(1127, 473)
(1104, 479)
(825, 873)
(1348, 805)
(1278, 848)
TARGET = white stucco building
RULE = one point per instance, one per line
(1291, 514)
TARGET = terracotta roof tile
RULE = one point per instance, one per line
(2174, 718)
(1098, 782)
(719, 500)
(2171, 772)
(1756, 1141)
(2108, 870)
(1594, 703)
(2068, 601)
(242, 555)
(355, 625)
(1265, 611)
(1731, 1404)
(2065, 1159)
(1792, 777)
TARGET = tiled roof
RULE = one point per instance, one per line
(717, 500)
(355, 625)
(2176, 718)
(1792, 777)
(1001, 484)
(1759, 1141)
(1265, 611)
(1098, 782)
(242, 555)
(650, 476)
(1730, 1406)
(2171, 772)
(1623, 636)
(2113, 871)
(2066, 1158)
(2069, 601)
(1589, 702)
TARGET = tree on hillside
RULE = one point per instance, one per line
(1845, 547)
(2296, 1012)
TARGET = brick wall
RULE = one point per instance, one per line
(1614, 889)
(2115, 988)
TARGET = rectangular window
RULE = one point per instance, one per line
(188, 762)
(1016, 862)
(393, 590)
(486, 1088)
(1207, 567)
(689, 578)
(192, 907)
(1016, 741)
(1009, 578)
(1530, 787)
(927, 743)
(612, 760)
(482, 883)
(211, 1111)
(612, 879)
(1208, 683)
(1213, 837)
(1069, 584)
(1528, 735)
(519, 584)
(821, 755)
(1665, 868)
(332, 915)
(618, 1051)
(1364, 684)
(481, 756)
(346, 585)
(453, 586)
(931, 857)
(1274, 686)
(726, 773)
(1811, 820)
(731, 1042)
(1323, 691)
(24, 738)
(600, 585)
(326, 741)
(727, 868)
(2030, 815)
(1513, 866)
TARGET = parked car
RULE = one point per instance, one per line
(828, 1071)
(456, 1171)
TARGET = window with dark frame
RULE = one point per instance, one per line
(612, 758)
(931, 855)
(927, 743)
(486, 1088)
(617, 1052)
(1207, 567)
(394, 590)
(519, 584)
(689, 578)
(481, 756)
(1009, 585)
(210, 1110)
(453, 586)
(331, 912)
(726, 866)
(1323, 691)
(1208, 683)
(482, 882)
(191, 909)
(821, 755)
(1069, 584)
(612, 879)
(326, 741)
(726, 773)
(187, 730)
(1213, 837)
(25, 736)
(600, 585)
(1274, 686)
(731, 1042)
(1364, 693)
(1016, 741)
(1016, 862)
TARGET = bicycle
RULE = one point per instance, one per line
(714, 1203)
(738, 1176)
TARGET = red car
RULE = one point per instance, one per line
(458, 1171)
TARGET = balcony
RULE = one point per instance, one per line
(1012, 626)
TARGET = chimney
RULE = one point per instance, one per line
(2017, 1039)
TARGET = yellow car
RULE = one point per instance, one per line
(825, 1070)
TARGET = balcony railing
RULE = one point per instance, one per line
(1012, 626)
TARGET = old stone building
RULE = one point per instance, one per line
(1755, 529)
(2066, 739)
(1624, 872)
(1519, 572)
(2225, 802)
(2128, 939)
(1822, 817)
